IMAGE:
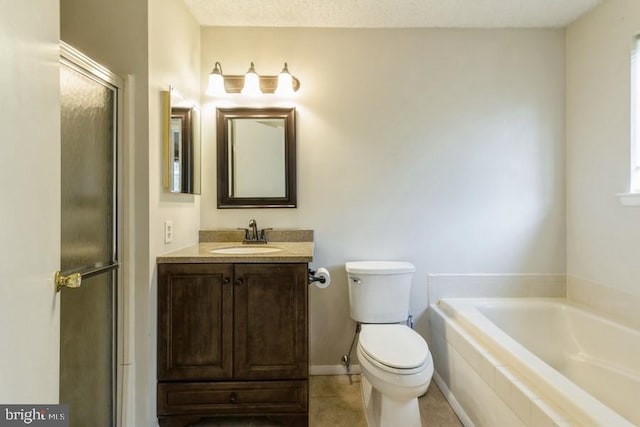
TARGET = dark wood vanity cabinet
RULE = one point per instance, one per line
(232, 341)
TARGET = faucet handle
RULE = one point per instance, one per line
(246, 233)
(263, 234)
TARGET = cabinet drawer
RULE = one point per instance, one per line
(228, 398)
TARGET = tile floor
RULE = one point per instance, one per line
(334, 401)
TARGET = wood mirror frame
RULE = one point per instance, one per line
(180, 132)
(227, 200)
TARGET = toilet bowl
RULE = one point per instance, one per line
(397, 368)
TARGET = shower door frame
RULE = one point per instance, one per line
(76, 60)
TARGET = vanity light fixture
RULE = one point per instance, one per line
(251, 84)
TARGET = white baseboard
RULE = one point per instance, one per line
(333, 370)
(462, 415)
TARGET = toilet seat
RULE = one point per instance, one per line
(394, 348)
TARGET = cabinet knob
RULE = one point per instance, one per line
(233, 398)
(239, 281)
(226, 280)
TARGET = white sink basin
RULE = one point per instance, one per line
(246, 250)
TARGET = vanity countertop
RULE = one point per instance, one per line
(295, 247)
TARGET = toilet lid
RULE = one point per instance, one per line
(396, 346)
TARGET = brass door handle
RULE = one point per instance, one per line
(70, 281)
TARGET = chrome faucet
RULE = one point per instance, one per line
(251, 234)
(253, 226)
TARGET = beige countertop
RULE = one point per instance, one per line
(290, 251)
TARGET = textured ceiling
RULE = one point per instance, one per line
(389, 13)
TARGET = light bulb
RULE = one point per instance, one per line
(285, 82)
(216, 81)
(251, 83)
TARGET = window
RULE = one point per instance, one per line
(635, 117)
(632, 198)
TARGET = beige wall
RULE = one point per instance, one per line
(444, 148)
(174, 59)
(30, 211)
(603, 237)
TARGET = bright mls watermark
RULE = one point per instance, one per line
(34, 415)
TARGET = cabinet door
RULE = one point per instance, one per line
(195, 321)
(270, 321)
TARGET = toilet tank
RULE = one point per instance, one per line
(379, 291)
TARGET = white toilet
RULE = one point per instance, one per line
(395, 360)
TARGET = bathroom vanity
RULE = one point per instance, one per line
(233, 329)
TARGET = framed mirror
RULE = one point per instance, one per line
(256, 150)
(181, 141)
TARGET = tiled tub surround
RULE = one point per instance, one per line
(621, 306)
(495, 285)
(495, 361)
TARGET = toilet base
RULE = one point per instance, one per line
(382, 411)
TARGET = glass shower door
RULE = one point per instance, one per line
(88, 243)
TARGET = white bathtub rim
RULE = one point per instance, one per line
(536, 372)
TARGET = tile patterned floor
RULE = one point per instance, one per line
(435, 410)
(334, 401)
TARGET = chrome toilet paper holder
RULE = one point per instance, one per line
(313, 278)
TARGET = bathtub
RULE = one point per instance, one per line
(544, 360)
